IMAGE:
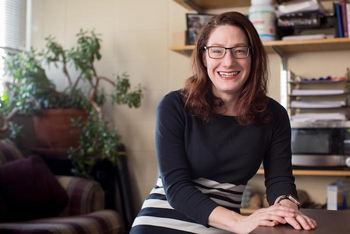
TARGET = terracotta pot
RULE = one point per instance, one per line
(54, 130)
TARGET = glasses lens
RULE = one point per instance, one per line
(216, 52)
(240, 52)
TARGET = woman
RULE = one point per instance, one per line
(212, 136)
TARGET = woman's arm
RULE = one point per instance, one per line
(174, 167)
(231, 221)
(279, 178)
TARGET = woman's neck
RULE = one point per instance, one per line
(230, 104)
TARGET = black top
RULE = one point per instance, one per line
(221, 150)
(203, 166)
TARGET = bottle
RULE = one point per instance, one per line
(262, 15)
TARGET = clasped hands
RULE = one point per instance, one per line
(280, 214)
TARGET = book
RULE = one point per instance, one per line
(342, 4)
(348, 17)
(337, 18)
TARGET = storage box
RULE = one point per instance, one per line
(338, 195)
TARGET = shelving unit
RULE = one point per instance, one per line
(310, 97)
(288, 47)
(204, 5)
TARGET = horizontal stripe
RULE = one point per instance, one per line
(159, 182)
(216, 185)
(142, 229)
(214, 196)
(156, 204)
(165, 213)
(156, 196)
(158, 190)
(177, 225)
(218, 189)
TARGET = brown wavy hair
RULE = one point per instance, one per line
(252, 103)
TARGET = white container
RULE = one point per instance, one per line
(262, 15)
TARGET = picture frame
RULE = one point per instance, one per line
(195, 22)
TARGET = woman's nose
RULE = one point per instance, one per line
(228, 59)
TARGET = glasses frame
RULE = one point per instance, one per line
(228, 48)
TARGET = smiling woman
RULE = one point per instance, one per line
(213, 135)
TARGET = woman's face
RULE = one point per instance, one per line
(227, 74)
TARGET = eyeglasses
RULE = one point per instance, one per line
(218, 52)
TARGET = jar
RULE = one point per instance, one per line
(262, 15)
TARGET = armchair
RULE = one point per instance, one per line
(84, 213)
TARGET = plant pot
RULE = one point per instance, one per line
(53, 128)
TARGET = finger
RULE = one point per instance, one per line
(303, 222)
(312, 223)
(282, 213)
(275, 218)
(267, 223)
(294, 223)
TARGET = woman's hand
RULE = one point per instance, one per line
(299, 221)
(268, 217)
(234, 222)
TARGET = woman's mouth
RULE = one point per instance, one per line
(228, 75)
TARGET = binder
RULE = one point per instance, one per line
(338, 19)
(342, 4)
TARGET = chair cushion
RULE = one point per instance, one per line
(100, 222)
(29, 190)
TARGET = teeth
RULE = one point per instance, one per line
(228, 74)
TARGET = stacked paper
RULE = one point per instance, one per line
(317, 104)
(312, 117)
(298, 6)
(316, 92)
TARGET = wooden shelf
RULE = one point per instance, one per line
(314, 172)
(205, 5)
(289, 47)
(247, 211)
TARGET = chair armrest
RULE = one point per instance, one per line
(84, 195)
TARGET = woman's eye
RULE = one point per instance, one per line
(239, 52)
(217, 51)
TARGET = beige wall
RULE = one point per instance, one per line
(136, 36)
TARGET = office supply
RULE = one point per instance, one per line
(303, 37)
(338, 18)
(312, 117)
(348, 17)
(298, 6)
(342, 4)
(316, 92)
(317, 104)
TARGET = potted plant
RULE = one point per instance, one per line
(31, 92)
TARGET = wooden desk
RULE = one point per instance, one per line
(328, 222)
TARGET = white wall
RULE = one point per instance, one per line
(136, 35)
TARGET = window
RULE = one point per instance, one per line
(12, 29)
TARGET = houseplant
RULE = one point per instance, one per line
(31, 92)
